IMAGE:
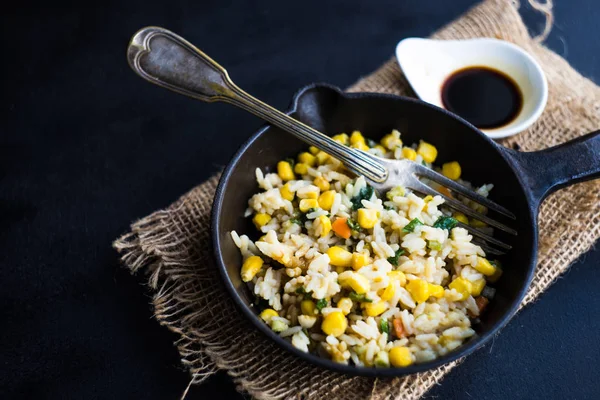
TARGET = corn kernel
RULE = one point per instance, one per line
(392, 140)
(284, 170)
(427, 151)
(367, 217)
(496, 276)
(345, 304)
(321, 183)
(308, 307)
(451, 170)
(267, 314)
(485, 267)
(361, 146)
(251, 267)
(307, 204)
(301, 169)
(427, 198)
(418, 289)
(436, 290)
(307, 159)
(374, 309)
(358, 283)
(460, 217)
(409, 154)
(322, 157)
(341, 138)
(339, 257)
(382, 359)
(359, 260)
(261, 220)
(388, 292)
(325, 225)
(477, 287)
(398, 275)
(380, 148)
(475, 223)
(326, 199)
(400, 356)
(313, 150)
(334, 324)
(286, 192)
(339, 270)
(356, 137)
(462, 286)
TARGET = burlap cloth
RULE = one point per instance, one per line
(173, 246)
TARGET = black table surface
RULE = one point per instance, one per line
(86, 147)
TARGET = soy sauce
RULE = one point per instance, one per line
(485, 97)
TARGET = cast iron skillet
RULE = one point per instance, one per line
(521, 181)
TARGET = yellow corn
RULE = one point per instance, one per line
(361, 146)
(286, 192)
(308, 307)
(356, 137)
(462, 286)
(267, 314)
(391, 141)
(451, 170)
(345, 304)
(367, 217)
(326, 199)
(321, 183)
(427, 198)
(322, 157)
(284, 170)
(307, 159)
(418, 289)
(359, 260)
(374, 309)
(496, 275)
(485, 267)
(334, 324)
(389, 292)
(436, 290)
(261, 220)
(380, 148)
(399, 275)
(341, 138)
(251, 267)
(460, 217)
(409, 153)
(339, 257)
(400, 356)
(358, 283)
(427, 151)
(477, 287)
(301, 169)
(339, 270)
(475, 223)
(325, 225)
(313, 150)
(307, 204)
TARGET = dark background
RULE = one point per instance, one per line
(86, 147)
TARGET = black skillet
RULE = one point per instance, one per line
(521, 180)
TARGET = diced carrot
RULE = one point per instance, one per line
(445, 191)
(398, 328)
(481, 302)
(341, 228)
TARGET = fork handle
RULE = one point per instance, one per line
(166, 59)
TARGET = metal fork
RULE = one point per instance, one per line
(168, 60)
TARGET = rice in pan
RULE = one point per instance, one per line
(360, 279)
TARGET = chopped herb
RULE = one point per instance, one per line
(321, 303)
(364, 194)
(445, 223)
(296, 221)
(423, 163)
(410, 227)
(434, 245)
(291, 161)
(384, 325)
(361, 298)
(311, 210)
(388, 207)
(353, 224)
(371, 143)
(301, 290)
(394, 259)
(299, 218)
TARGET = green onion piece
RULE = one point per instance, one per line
(361, 298)
(434, 245)
(364, 194)
(353, 224)
(301, 290)
(384, 325)
(394, 260)
(321, 303)
(410, 227)
(447, 223)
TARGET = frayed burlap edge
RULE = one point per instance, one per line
(174, 247)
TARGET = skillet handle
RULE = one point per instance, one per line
(554, 168)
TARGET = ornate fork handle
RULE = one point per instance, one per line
(168, 60)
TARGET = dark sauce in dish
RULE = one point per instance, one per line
(485, 97)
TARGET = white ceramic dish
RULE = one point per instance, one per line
(427, 63)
